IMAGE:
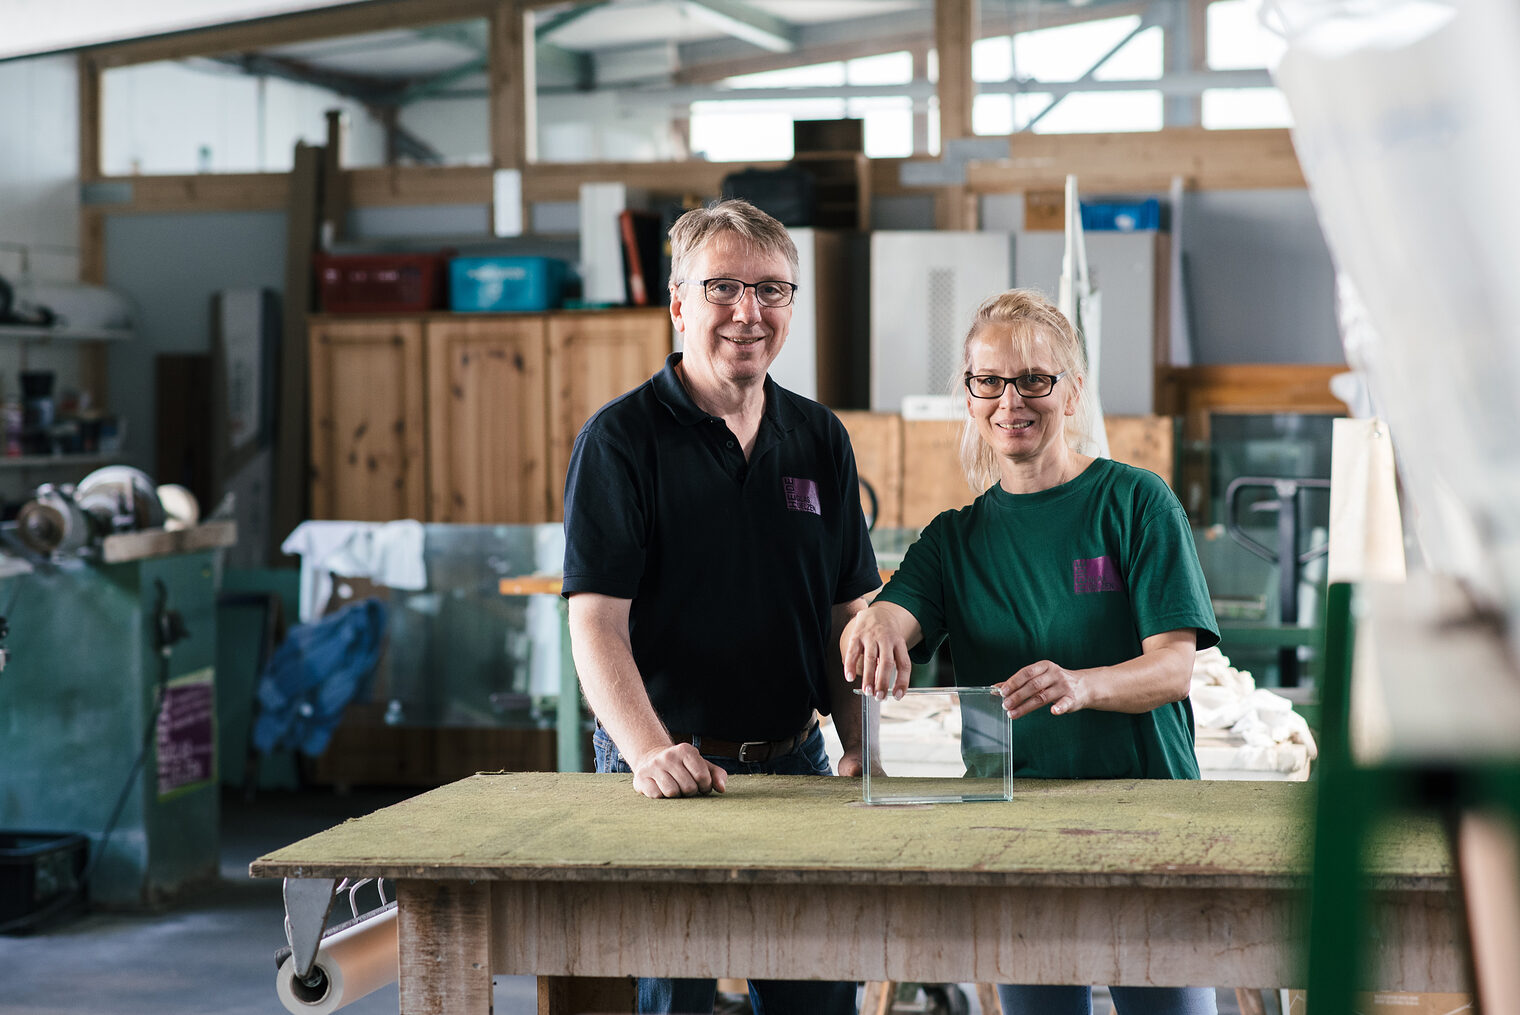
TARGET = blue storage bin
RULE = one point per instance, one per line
(1121, 216)
(505, 283)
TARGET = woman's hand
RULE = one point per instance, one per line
(874, 648)
(1044, 683)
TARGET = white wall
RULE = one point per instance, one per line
(158, 117)
(39, 205)
(39, 165)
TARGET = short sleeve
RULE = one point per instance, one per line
(1167, 584)
(606, 508)
(918, 586)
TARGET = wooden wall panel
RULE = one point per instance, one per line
(932, 476)
(367, 420)
(878, 441)
(1145, 441)
(486, 410)
(593, 358)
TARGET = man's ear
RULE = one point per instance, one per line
(675, 309)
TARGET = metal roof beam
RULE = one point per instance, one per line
(745, 22)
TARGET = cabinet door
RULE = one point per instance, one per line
(486, 448)
(594, 357)
(367, 417)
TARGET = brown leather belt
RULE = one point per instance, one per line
(749, 751)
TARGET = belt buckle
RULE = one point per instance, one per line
(744, 749)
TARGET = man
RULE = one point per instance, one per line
(714, 550)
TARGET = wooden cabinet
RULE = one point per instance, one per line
(594, 356)
(464, 418)
(486, 410)
(367, 420)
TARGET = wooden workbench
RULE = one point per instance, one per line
(1114, 882)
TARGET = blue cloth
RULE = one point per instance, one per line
(314, 674)
(1042, 1000)
(767, 997)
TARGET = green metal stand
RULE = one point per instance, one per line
(1353, 799)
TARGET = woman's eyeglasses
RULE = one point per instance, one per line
(1028, 386)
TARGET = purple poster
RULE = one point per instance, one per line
(187, 733)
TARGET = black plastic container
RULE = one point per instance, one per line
(40, 877)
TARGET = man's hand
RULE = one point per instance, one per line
(675, 771)
(850, 764)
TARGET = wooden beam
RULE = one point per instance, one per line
(1205, 159)
(513, 98)
(955, 29)
(561, 181)
(291, 471)
(391, 186)
(203, 192)
(333, 204)
(350, 19)
(89, 119)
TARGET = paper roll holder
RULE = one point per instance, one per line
(308, 901)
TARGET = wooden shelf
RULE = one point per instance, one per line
(34, 334)
(56, 461)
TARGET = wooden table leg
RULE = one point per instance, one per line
(987, 997)
(578, 995)
(877, 998)
(444, 947)
(1250, 1001)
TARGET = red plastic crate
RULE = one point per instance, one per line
(380, 283)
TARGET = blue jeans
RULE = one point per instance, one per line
(1041, 1000)
(767, 997)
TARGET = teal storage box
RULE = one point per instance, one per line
(1121, 216)
(505, 283)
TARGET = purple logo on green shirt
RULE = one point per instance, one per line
(801, 494)
(1095, 574)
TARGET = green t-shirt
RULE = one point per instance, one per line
(1078, 574)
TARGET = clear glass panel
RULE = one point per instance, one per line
(460, 652)
(414, 96)
(937, 745)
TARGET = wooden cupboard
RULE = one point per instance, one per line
(464, 418)
(367, 420)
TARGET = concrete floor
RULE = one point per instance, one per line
(214, 950)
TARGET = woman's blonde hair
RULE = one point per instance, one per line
(1028, 315)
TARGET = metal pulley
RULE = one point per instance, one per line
(54, 522)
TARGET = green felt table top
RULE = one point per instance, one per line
(541, 825)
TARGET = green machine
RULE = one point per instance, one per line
(108, 718)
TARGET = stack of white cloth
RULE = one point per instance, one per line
(1243, 731)
(387, 553)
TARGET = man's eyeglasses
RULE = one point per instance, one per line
(725, 292)
(1028, 386)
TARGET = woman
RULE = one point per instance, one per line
(1071, 585)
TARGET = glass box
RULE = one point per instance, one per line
(937, 745)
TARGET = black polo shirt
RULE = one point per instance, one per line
(732, 565)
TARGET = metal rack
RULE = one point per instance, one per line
(1435, 730)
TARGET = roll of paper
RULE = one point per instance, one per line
(358, 960)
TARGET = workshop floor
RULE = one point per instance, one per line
(214, 952)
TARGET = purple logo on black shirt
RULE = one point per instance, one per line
(1095, 574)
(801, 494)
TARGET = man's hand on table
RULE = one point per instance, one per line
(676, 771)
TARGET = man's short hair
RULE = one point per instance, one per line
(736, 217)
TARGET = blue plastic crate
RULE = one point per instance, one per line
(1121, 216)
(505, 283)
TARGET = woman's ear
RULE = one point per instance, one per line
(1075, 395)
